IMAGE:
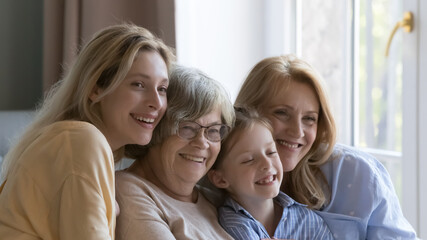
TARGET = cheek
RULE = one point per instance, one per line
(311, 134)
(276, 124)
(278, 165)
(171, 146)
(164, 105)
(214, 150)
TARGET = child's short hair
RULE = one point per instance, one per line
(246, 118)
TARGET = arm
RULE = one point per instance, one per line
(86, 205)
(387, 219)
(361, 188)
(83, 211)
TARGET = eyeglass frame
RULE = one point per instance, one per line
(205, 132)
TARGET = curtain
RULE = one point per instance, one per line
(68, 24)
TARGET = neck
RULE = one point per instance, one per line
(150, 169)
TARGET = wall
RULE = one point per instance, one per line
(34, 45)
(226, 38)
(21, 24)
(69, 24)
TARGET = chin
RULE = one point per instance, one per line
(289, 167)
(144, 140)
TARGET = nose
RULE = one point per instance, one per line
(265, 163)
(295, 128)
(155, 100)
(200, 140)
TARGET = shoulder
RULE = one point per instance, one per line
(134, 190)
(352, 169)
(231, 210)
(349, 161)
(358, 182)
(84, 145)
(231, 214)
(128, 183)
(75, 130)
(294, 208)
(72, 147)
(239, 224)
(75, 137)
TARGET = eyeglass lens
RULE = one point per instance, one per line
(214, 133)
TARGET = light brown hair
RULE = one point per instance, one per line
(267, 79)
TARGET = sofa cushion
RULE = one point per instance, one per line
(12, 123)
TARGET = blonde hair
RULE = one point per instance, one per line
(267, 79)
(191, 95)
(104, 63)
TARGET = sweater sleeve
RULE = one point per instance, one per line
(62, 188)
(86, 197)
(82, 212)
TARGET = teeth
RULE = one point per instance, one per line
(266, 180)
(288, 144)
(147, 120)
(192, 158)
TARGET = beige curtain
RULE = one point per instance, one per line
(69, 23)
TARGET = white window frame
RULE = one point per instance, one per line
(415, 117)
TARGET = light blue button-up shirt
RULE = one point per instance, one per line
(362, 189)
(297, 222)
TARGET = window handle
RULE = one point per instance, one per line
(407, 23)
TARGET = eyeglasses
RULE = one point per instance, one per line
(214, 133)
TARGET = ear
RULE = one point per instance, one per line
(96, 91)
(216, 177)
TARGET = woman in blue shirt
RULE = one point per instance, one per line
(333, 179)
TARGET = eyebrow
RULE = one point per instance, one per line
(293, 109)
(166, 79)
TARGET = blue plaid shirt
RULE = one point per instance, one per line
(297, 222)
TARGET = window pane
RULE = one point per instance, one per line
(365, 87)
(380, 78)
(325, 43)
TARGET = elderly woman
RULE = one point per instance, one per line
(157, 195)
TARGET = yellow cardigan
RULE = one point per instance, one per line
(62, 188)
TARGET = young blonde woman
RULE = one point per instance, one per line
(327, 177)
(59, 177)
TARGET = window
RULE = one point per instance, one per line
(345, 41)
(349, 52)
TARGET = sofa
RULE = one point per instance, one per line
(12, 123)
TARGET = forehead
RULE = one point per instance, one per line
(151, 63)
(213, 116)
(250, 139)
(297, 95)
